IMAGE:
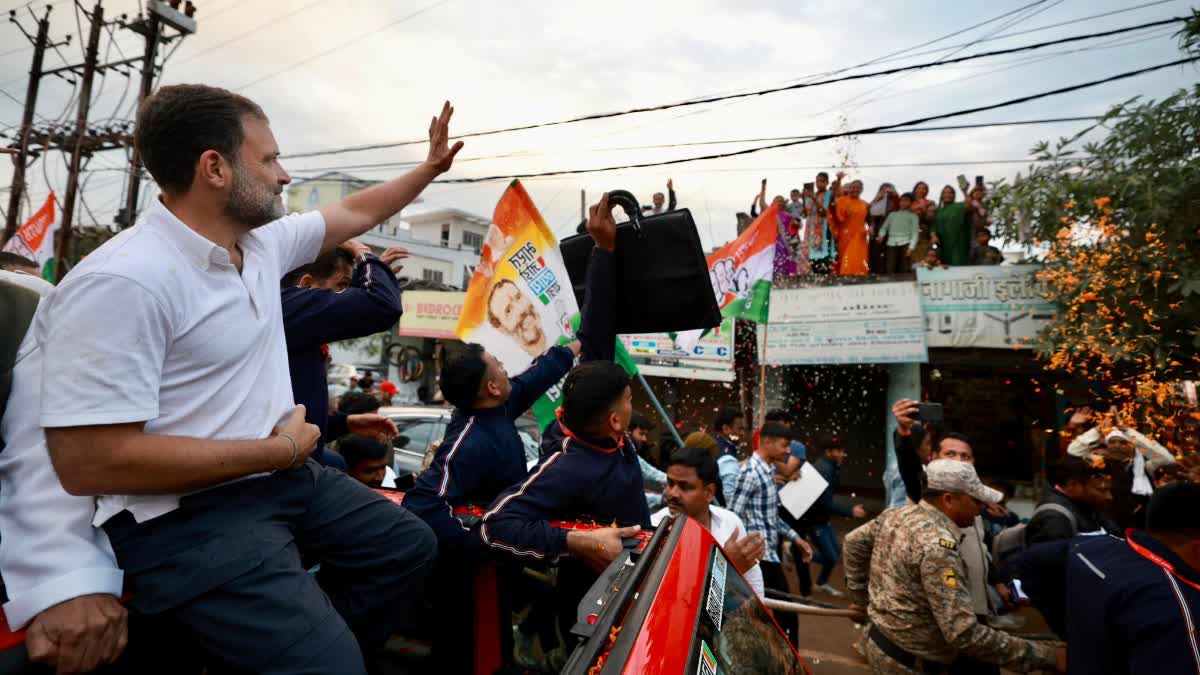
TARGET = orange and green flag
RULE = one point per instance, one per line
(520, 302)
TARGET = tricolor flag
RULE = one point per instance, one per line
(519, 301)
(35, 239)
(741, 274)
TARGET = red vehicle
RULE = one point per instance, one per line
(672, 604)
(680, 607)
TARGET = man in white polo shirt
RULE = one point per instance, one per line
(692, 478)
(166, 394)
(60, 576)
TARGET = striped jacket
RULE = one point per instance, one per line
(589, 480)
(481, 455)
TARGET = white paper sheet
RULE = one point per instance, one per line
(798, 496)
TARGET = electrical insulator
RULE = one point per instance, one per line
(173, 3)
(189, 9)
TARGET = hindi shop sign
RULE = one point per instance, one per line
(996, 307)
(855, 323)
(431, 314)
(662, 355)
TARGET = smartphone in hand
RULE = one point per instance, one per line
(929, 412)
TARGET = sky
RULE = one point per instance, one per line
(338, 74)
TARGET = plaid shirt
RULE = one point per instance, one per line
(756, 501)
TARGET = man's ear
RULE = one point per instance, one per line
(213, 169)
(306, 281)
(710, 491)
(613, 423)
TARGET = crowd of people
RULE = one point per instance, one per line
(829, 228)
(169, 495)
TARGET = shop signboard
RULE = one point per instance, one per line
(846, 324)
(662, 355)
(999, 307)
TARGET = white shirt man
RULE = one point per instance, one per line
(692, 479)
(50, 555)
(723, 525)
(167, 395)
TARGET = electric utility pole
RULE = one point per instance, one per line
(17, 189)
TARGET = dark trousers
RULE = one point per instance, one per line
(226, 566)
(773, 577)
(897, 261)
(825, 551)
(803, 575)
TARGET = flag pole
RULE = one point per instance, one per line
(662, 413)
(762, 380)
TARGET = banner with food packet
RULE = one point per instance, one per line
(741, 272)
(519, 302)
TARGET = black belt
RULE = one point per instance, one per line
(905, 658)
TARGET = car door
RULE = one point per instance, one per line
(416, 433)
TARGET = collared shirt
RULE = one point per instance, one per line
(756, 500)
(49, 551)
(722, 526)
(158, 326)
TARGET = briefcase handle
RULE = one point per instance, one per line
(630, 205)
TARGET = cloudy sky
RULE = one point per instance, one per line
(339, 74)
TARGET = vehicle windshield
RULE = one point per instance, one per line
(735, 634)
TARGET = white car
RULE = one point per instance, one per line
(421, 429)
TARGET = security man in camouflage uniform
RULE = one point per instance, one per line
(921, 614)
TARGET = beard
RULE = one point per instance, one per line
(250, 204)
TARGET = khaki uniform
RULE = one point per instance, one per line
(918, 596)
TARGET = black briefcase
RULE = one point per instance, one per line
(662, 275)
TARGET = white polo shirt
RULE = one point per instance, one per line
(724, 524)
(157, 326)
(49, 551)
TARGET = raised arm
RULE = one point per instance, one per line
(315, 316)
(365, 209)
(597, 327)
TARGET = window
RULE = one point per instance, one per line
(416, 433)
(445, 235)
(745, 639)
(432, 275)
(473, 240)
(411, 446)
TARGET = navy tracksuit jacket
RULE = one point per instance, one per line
(585, 479)
(1123, 614)
(316, 316)
(482, 454)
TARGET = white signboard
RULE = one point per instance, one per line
(661, 355)
(997, 306)
(856, 323)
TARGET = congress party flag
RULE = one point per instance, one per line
(35, 239)
(520, 302)
(741, 272)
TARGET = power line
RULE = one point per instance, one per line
(857, 132)
(341, 45)
(760, 92)
(660, 146)
(1039, 29)
(252, 31)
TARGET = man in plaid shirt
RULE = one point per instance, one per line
(756, 501)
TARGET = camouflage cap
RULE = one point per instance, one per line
(949, 475)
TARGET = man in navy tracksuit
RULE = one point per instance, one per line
(482, 454)
(345, 293)
(1132, 605)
